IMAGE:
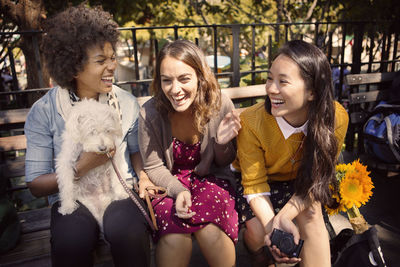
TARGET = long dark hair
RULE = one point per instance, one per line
(317, 168)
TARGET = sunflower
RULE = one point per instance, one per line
(338, 209)
(342, 169)
(361, 170)
(355, 189)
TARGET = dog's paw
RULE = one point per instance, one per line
(67, 208)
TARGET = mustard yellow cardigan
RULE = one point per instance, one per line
(264, 154)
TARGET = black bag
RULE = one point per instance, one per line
(356, 250)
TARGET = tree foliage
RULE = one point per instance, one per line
(28, 15)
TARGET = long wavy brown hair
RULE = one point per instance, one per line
(208, 97)
(317, 168)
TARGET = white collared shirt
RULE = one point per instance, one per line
(287, 130)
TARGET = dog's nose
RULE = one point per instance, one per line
(102, 148)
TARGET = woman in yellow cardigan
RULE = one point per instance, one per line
(287, 151)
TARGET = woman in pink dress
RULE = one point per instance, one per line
(186, 134)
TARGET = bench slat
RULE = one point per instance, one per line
(35, 220)
(366, 97)
(250, 91)
(11, 143)
(13, 116)
(19, 115)
(13, 168)
(368, 78)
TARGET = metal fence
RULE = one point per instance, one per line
(360, 46)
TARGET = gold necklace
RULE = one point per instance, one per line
(293, 157)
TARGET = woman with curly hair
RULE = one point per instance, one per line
(79, 48)
(287, 151)
(186, 134)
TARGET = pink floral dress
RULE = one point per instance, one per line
(213, 199)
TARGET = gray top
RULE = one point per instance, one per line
(156, 148)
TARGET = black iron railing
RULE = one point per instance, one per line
(370, 48)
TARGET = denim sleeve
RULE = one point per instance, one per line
(39, 151)
(132, 136)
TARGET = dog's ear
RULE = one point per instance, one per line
(117, 124)
(74, 126)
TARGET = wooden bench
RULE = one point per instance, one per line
(366, 91)
(34, 246)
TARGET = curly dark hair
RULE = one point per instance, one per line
(68, 36)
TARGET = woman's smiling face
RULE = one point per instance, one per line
(179, 83)
(287, 91)
(98, 72)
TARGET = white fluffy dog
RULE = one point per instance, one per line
(90, 127)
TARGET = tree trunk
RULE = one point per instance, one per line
(279, 18)
(34, 79)
(27, 15)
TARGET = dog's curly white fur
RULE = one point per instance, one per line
(90, 127)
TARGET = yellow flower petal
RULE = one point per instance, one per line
(355, 186)
(354, 190)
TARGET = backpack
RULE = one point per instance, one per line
(382, 133)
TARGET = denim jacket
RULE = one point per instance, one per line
(44, 127)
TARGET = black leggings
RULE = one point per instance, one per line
(74, 236)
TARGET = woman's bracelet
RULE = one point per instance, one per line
(76, 177)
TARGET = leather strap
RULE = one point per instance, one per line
(159, 192)
(152, 223)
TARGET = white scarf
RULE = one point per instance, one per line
(64, 102)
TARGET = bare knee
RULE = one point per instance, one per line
(175, 241)
(175, 248)
(209, 234)
(254, 235)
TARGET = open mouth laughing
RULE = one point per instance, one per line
(180, 100)
(107, 80)
(276, 102)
